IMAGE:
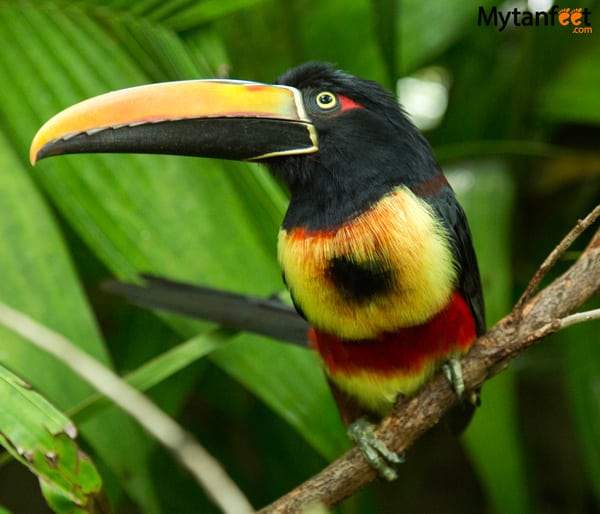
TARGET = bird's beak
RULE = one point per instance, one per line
(205, 118)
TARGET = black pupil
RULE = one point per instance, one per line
(325, 99)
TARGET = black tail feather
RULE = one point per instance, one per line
(265, 316)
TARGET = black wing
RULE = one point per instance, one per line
(265, 316)
(469, 280)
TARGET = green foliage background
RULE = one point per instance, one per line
(520, 143)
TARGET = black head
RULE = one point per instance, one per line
(340, 142)
(367, 147)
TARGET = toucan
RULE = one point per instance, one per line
(374, 248)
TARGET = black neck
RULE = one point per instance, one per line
(327, 190)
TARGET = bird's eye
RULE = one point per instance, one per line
(326, 100)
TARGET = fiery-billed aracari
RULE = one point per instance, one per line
(374, 248)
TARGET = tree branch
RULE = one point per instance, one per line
(530, 320)
(555, 254)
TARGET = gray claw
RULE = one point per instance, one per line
(453, 371)
(377, 454)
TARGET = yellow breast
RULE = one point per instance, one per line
(402, 235)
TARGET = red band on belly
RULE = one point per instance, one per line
(406, 350)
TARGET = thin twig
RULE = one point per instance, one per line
(203, 466)
(554, 255)
(580, 317)
(559, 324)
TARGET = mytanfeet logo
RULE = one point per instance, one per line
(578, 19)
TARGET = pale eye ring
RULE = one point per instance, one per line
(326, 100)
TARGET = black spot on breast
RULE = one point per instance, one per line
(359, 282)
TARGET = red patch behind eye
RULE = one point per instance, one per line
(348, 103)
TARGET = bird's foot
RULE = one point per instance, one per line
(377, 454)
(453, 372)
